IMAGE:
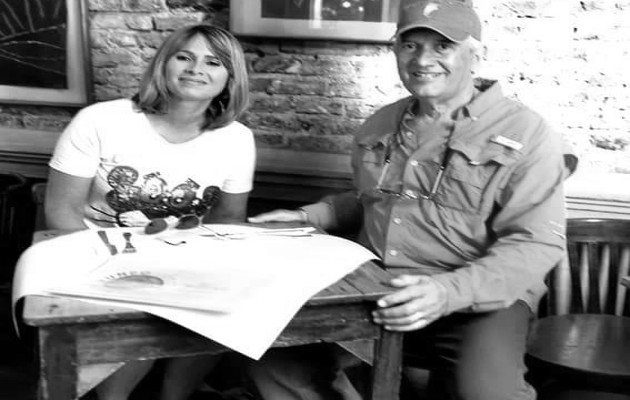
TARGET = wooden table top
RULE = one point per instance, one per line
(367, 283)
(594, 343)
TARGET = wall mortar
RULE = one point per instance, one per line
(568, 60)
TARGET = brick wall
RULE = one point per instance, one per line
(567, 59)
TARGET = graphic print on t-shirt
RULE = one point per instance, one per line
(152, 197)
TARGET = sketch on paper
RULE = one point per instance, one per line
(140, 280)
(33, 43)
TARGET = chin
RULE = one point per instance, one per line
(424, 93)
(195, 97)
(425, 90)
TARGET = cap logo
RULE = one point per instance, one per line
(430, 9)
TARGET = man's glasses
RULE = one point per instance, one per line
(410, 194)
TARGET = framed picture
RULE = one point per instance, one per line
(44, 55)
(352, 20)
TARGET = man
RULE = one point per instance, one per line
(459, 190)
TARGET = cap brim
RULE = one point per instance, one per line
(450, 34)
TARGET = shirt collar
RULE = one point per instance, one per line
(383, 126)
(489, 93)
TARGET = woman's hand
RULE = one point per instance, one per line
(420, 301)
(280, 216)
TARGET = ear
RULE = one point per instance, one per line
(479, 54)
(482, 53)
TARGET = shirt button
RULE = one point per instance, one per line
(393, 253)
(397, 221)
(414, 163)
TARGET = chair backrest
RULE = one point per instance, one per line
(10, 185)
(588, 279)
(38, 193)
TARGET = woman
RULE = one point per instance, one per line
(173, 150)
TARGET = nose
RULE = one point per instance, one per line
(194, 67)
(424, 56)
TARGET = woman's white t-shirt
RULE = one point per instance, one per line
(136, 169)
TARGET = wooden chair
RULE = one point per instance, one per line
(16, 216)
(583, 338)
(38, 195)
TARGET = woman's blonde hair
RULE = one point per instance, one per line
(153, 95)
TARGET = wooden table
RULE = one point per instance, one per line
(80, 343)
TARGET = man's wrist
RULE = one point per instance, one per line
(303, 214)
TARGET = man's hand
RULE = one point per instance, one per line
(420, 301)
(279, 216)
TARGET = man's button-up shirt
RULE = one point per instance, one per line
(493, 227)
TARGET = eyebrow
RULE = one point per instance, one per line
(438, 41)
(207, 56)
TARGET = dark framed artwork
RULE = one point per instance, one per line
(44, 55)
(352, 20)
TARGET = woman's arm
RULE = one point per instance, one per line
(231, 207)
(66, 197)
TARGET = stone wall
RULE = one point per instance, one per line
(566, 59)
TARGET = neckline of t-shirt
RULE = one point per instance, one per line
(160, 139)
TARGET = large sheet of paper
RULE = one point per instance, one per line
(237, 285)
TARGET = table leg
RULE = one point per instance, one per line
(387, 367)
(58, 372)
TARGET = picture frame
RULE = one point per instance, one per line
(355, 20)
(44, 53)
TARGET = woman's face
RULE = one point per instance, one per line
(195, 73)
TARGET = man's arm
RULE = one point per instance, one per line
(341, 211)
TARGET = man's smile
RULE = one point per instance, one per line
(426, 75)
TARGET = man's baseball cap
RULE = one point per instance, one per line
(454, 19)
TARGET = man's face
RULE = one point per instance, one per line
(432, 66)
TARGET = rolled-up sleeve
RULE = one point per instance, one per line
(529, 230)
(341, 211)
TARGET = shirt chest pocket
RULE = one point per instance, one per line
(371, 159)
(474, 177)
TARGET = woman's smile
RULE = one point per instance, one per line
(192, 81)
